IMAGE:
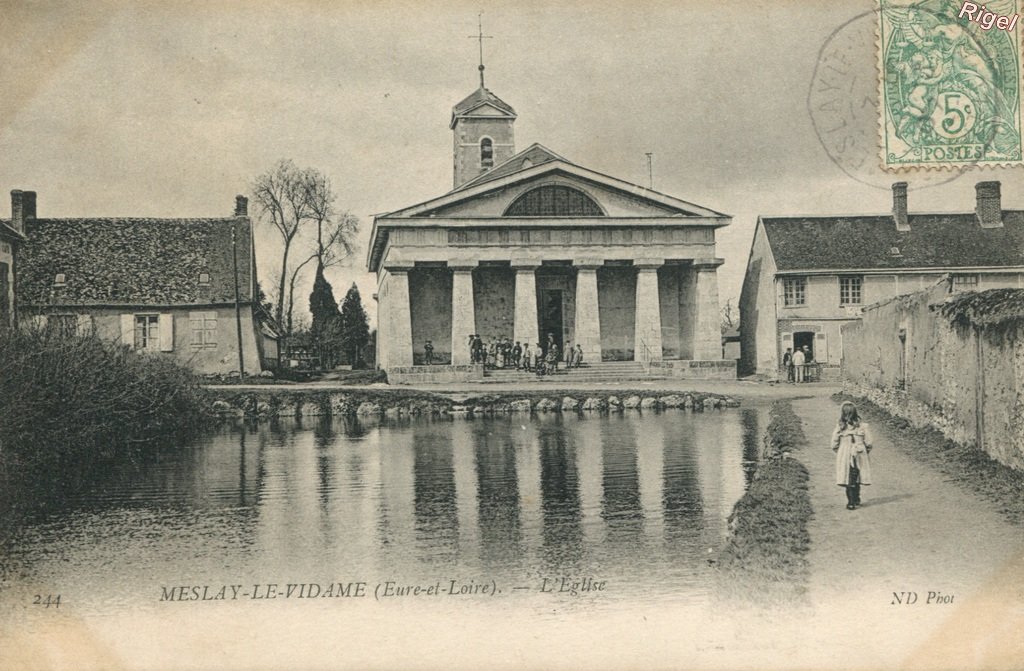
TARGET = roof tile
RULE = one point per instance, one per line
(868, 242)
(131, 261)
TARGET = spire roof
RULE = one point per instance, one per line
(481, 96)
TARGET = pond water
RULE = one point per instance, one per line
(512, 503)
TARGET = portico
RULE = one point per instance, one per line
(536, 248)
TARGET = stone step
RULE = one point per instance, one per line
(609, 368)
(575, 376)
(557, 380)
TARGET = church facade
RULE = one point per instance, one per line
(532, 247)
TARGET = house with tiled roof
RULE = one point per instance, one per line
(807, 276)
(157, 285)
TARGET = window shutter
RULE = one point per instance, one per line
(128, 330)
(84, 325)
(166, 332)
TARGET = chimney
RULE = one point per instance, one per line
(23, 208)
(29, 205)
(241, 206)
(899, 206)
(990, 207)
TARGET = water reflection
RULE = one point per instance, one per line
(560, 496)
(639, 499)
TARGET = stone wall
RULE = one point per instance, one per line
(430, 291)
(969, 384)
(616, 292)
(676, 290)
(717, 369)
(494, 290)
(277, 401)
(216, 353)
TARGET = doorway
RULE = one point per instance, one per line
(551, 317)
(803, 339)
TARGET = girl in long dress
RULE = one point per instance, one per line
(852, 443)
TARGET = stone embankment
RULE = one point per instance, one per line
(408, 403)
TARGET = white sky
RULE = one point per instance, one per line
(170, 109)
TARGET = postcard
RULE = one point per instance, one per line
(514, 335)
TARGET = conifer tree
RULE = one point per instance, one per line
(355, 325)
(326, 328)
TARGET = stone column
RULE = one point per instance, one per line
(648, 311)
(400, 321)
(588, 323)
(463, 311)
(526, 328)
(707, 332)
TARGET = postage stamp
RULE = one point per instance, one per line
(950, 83)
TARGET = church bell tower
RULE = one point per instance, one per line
(482, 129)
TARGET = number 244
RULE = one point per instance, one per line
(47, 601)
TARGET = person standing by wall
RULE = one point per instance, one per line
(798, 365)
(428, 352)
(852, 442)
(787, 364)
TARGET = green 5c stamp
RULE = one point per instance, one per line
(950, 86)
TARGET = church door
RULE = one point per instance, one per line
(551, 317)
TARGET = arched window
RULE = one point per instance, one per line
(554, 200)
(486, 152)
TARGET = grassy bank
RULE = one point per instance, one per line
(967, 466)
(765, 559)
(71, 402)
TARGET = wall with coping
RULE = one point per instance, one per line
(968, 384)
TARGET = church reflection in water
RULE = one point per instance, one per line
(639, 498)
(547, 493)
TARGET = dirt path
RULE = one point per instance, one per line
(918, 533)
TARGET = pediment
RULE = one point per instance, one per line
(497, 202)
(484, 109)
(491, 194)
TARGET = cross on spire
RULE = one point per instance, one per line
(481, 37)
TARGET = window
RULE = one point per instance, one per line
(204, 279)
(965, 282)
(63, 326)
(850, 290)
(59, 280)
(486, 152)
(204, 329)
(147, 332)
(794, 291)
(554, 200)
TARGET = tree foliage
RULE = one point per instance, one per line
(355, 325)
(326, 328)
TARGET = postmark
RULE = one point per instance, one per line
(843, 105)
(949, 87)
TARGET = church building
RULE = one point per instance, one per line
(532, 247)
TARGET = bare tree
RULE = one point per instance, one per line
(299, 204)
(730, 317)
(335, 231)
(281, 197)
